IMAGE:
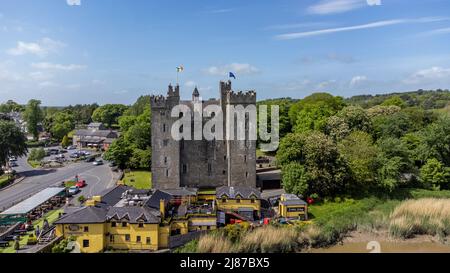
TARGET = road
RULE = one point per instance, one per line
(98, 179)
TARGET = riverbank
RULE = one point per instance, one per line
(389, 220)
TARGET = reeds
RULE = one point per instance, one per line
(424, 216)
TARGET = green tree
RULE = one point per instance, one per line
(290, 149)
(33, 116)
(120, 152)
(37, 154)
(65, 142)
(11, 106)
(360, 155)
(350, 118)
(12, 141)
(434, 174)
(62, 124)
(109, 114)
(394, 101)
(295, 178)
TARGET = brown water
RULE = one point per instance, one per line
(386, 247)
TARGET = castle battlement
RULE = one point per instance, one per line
(247, 97)
(158, 101)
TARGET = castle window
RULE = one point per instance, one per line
(181, 129)
(180, 115)
(225, 157)
(246, 174)
(138, 239)
(164, 128)
(165, 160)
(184, 169)
(167, 173)
(245, 158)
(224, 172)
(209, 169)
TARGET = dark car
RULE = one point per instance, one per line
(90, 159)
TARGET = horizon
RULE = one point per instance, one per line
(70, 52)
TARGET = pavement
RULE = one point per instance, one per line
(98, 178)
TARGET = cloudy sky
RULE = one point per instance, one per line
(111, 51)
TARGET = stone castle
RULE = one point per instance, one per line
(200, 163)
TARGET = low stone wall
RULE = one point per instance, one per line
(179, 240)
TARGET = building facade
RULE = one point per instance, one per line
(200, 163)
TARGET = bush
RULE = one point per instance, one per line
(81, 198)
(214, 243)
(36, 154)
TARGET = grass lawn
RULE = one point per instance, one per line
(4, 179)
(138, 179)
(69, 184)
(51, 217)
(34, 164)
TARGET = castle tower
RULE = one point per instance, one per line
(165, 150)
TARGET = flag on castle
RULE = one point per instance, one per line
(180, 68)
(231, 75)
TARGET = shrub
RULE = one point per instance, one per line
(213, 243)
(269, 239)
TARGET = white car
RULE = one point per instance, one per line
(73, 190)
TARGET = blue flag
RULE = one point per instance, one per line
(232, 75)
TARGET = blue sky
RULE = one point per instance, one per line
(112, 51)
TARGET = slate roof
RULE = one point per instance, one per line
(181, 191)
(232, 192)
(111, 197)
(153, 201)
(134, 214)
(293, 202)
(87, 215)
(95, 133)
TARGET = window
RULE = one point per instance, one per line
(164, 128)
(209, 169)
(208, 227)
(85, 243)
(111, 238)
(167, 173)
(127, 237)
(138, 239)
(224, 172)
(184, 169)
(165, 142)
(165, 160)
(182, 144)
(245, 158)
(124, 224)
(224, 200)
(253, 200)
(148, 241)
(246, 174)
(113, 224)
(86, 229)
(141, 225)
(238, 200)
(225, 157)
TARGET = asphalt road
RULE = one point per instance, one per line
(98, 178)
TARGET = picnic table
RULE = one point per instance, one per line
(4, 244)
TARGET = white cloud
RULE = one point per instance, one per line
(439, 31)
(40, 48)
(40, 76)
(8, 76)
(221, 11)
(47, 84)
(52, 66)
(430, 75)
(336, 6)
(237, 68)
(73, 2)
(190, 84)
(357, 80)
(297, 35)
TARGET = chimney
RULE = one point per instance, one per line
(162, 208)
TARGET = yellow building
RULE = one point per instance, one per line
(239, 199)
(292, 207)
(97, 228)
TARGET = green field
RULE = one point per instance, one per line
(138, 179)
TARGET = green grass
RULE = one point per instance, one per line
(34, 164)
(69, 184)
(51, 217)
(4, 179)
(138, 179)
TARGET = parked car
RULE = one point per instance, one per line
(60, 156)
(75, 155)
(13, 164)
(98, 162)
(81, 184)
(72, 147)
(90, 159)
(12, 159)
(73, 190)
